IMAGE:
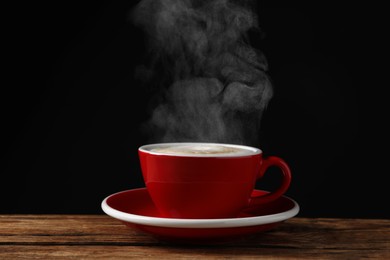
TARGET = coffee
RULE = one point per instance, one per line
(201, 149)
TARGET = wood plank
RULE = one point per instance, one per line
(103, 230)
(102, 237)
(150, 252)
(67, 229)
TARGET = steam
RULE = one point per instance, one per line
(215, 84)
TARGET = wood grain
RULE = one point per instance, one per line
(101, 237)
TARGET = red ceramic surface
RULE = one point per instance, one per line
(136, 210)
(207, 186)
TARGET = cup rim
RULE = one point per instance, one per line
(146, 149)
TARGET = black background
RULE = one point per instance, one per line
(72, 110)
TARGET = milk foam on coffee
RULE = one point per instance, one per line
(202, 150)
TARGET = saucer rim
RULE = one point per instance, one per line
(197, 223)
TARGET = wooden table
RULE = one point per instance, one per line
(102, 237)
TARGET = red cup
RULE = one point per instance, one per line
(207, 185)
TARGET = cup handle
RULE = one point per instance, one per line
(286, 173)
